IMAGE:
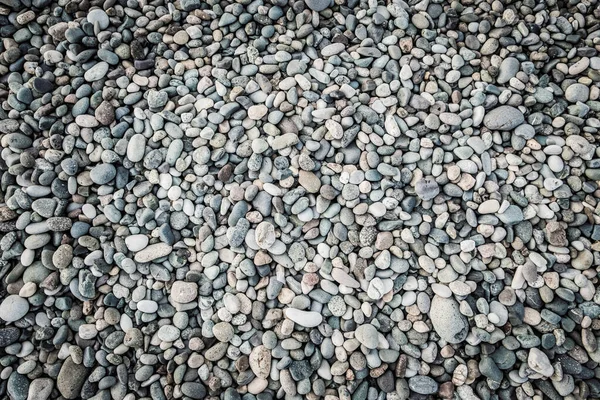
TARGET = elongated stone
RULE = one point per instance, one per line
(153, 252)
(307, 319)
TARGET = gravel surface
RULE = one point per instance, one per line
(299, 199)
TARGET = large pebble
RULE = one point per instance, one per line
(503, 118)
(153, 252)
(317, 5)
(70, 379)
(307, 319)
(367, 335)
(447, 320)
(13, 308)
(184, 292)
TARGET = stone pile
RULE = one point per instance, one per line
(299, 199)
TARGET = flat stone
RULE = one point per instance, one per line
(450, 119)
(105, 113)
(367, 335)
(136, 147)
(43, 85)
(223, 331)
(184, 292)
(489, 207)
(307, 319)
(422, 385)
(539, 362)
(583, 261)
(40, 389)
(490, 370)
(101, 174)
(503, 118)
(285, 140)
(309, 181)
(153, 252)
(577, 92)
(512, 215)
(508, 69)
(97, 72)
(17, 386)
(565, 386)
(157, 99)
(168, 333)
(190, 5)
(13, 308)
(136, 243)
(98, 16)
(257, 112)
(343, 278)
(9, 336)
(70, 379)
(427, 188)
(59, 224)
(318, 5)
(265, 235)
(332, 49)
(193, 390)
(260, 361)
(447, 320)
(147, 306)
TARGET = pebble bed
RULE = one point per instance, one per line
(299, 199)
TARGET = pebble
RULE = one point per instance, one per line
(427, 189)
(447, 320)
(309, 181)
(539, 362)
(307, 319)
(13, 308)
(317, 5)
(260, 361)
(508, 69)
(422, 385)
(153, 252)
(504, 118)
(71, 379)
(40, 389)
(147, 306)
(97, 72)
(184, 292)
(193, 390)
(136, 243)
(98, 16)
(103, 173)
(136, 148)
(577, 92)
(223, 331)
(265, 235)
(367, 335)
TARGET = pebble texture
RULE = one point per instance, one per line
(299, 199)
